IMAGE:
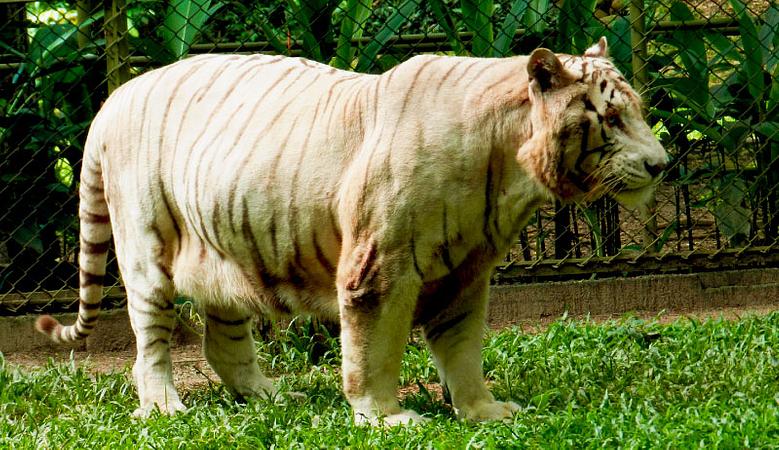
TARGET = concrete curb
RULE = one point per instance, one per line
(654, 293)
(508, 304)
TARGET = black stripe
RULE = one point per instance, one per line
(588, 106)
(89, 279)
(413, 247)
(169, 209)
(215, 216)
(160, 144)
(320, 256)
(367, 267)
(162, 328)
(87, 320)
(89, 306)
(488, 206)
(157, 299)
(155, 313)
(228, 322)
(445, 256)
(467, 69)
(93, 248)
(411, 87)
(443, 79)
(236, 338)
(93, 218)
(80, 333)
(155, 342)
(489, 90)
(268, 280)
(155, 303)
(584, 70)
(92, 188)
(231, 204)
(273, 237)
(215, 110)
(439, 330)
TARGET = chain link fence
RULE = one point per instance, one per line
(708, 71)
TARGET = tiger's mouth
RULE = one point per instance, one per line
(634, 197)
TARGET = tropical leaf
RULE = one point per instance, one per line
(27, 236)
(505, 36)
(618, 33)
(575, 17)
(183, 21)
(303, 10)
(591, 217)
(369, 54)
(447, 22)
(768, 129)
(666, 235)
(534, 17)
(753, 50)
(352, 27)
(769, 36)
(477, 15)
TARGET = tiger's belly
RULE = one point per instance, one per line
(293, 286)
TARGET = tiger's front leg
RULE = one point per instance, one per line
(376, 301)
(455, 336)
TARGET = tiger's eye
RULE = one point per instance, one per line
(612, 118)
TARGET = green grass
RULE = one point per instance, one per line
(628, 383)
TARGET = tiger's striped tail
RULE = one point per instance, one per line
(95, 238)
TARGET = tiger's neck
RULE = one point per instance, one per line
(515, 190)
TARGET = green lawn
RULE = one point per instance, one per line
(629, 383)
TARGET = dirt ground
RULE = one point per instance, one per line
(191, 371)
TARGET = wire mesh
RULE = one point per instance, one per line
(707, 70)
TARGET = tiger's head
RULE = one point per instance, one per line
(589, 135)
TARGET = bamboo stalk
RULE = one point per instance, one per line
(84, 9)
(117, 48)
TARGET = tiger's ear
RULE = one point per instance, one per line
(599, 50)
(544, 67)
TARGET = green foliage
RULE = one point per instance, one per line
(352, 27)
(573, 21)
(369, 54)
(477, 16)
(42, 124)
(628, 383)
(511, 23)
(736, 114)
(183, 21)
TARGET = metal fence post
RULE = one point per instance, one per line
(117, 50)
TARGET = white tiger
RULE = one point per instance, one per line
(272, 185)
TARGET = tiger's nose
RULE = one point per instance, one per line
(654, 169)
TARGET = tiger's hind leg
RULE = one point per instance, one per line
(150, 305)
(229, 349)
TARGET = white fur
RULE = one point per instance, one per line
(268, 185)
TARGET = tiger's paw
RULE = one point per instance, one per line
(168, 409)
(488, 410)
(405, 417)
